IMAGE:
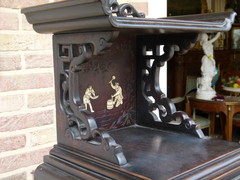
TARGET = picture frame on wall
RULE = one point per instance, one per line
(235, 36)
(184, 7)
(220, 43)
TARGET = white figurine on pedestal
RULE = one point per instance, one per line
(208, 69)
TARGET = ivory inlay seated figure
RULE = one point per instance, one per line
(116, 99)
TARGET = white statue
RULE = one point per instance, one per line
(208, 68)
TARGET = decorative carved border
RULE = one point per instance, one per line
(72, 52)
(122, 10)
(151, 97)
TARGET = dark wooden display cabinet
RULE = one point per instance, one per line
(113, 121)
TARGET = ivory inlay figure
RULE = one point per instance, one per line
(89, 94)
(116, 99)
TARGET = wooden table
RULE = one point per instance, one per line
(230, 106)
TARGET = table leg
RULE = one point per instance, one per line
(229, 124)
(188, 108)
(212, 123)
(222, 124)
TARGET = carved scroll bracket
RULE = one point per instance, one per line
(112, 7)
(155, 108)
(73, 51)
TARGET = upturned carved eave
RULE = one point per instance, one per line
(97, 15)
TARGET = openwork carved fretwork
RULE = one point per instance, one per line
(72, 54)
(122, 10)
(154, 105)
(81, 125)
(128, 10)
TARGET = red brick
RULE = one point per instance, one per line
(40, 99)
(23, 121)
(25, 41)
(25, 23)
(39, 61)
(10, 103)
(14, 162)
(26, 81)
(10, 62)
(20, 176)
(9, 21)
(43, 136)
(12, 143)
(16, 4)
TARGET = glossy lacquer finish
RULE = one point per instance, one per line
(163, 154)
(113, 120)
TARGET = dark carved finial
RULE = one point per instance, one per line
(123, 10)
(128, 10)
(110, 6)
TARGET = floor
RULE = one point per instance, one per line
(219, 129)
(218, 133)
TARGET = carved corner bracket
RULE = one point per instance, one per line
(122, 10)
(155, 109)
(71, 51)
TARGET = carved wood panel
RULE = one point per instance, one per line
(98, 73)
(88, 76)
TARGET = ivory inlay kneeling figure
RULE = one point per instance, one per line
(116, 99)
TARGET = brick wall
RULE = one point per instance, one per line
(27, 117)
